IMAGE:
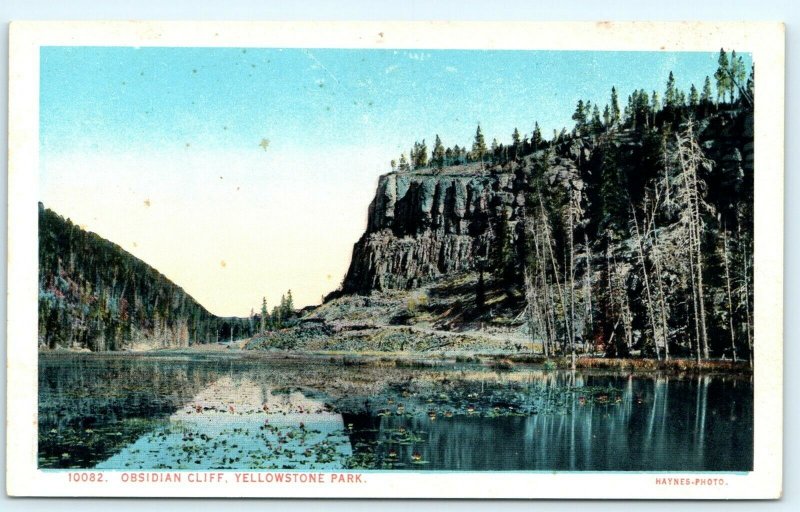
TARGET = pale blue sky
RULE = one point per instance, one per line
(113, 98)
(158, 149)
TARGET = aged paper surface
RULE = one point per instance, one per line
(590, 307)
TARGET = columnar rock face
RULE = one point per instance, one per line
(423, 225)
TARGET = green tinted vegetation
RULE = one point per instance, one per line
(95, 295)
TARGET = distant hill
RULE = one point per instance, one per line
(95, 295)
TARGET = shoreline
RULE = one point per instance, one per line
(428, 360)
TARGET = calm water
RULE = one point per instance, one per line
(231, 411)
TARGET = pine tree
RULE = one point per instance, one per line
(516, 140)
(643, 107)
(722, 76)
(738, 75)
(613, 203)
(288, 305)
(422, 155)
(478, 146)
(597, 124)
(438, 156)
(536, 137)
(503, 256)
(615, 113)
(404, 167)
(419, 155)
(705, 96)
(606, 116)
(694, 98)
(627, 114)
(579, 116)
(264, 315)
(276, 318)
(655, 103)
(751, 82)
(738, 78)
(457, 160)
(670, 95)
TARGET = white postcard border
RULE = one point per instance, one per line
(764, 40)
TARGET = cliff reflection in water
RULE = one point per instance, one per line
(660, 423)
(455, 417)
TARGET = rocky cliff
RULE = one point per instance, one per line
(428, 223)
(425, 224)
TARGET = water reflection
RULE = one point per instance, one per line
(237, 422)
(125, 412)
(569, 422)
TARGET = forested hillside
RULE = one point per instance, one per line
(631, 233)
(94, 295)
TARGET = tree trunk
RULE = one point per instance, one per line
(588, 283)
(642, 261)
(690, 159)
(548, 326)
(746, 290)
(549, 247)
(661, 298)
(610, 291)
(728, 289)
(700, 288)
(572, 280)
(694, 299)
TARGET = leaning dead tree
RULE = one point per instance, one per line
(651, 231)
(690, 199)
(648, 296)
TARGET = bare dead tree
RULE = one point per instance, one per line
(648, 296)
(690, 158)
(728, 289)
(745, 298)
(588, 292)
(548, 246)
(650, 229)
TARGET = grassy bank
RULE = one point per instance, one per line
(507, 362)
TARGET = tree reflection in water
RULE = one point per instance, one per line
(95, 408)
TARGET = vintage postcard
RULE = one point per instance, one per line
(401, 260)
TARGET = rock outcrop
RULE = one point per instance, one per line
(428, 223)
(424, 224)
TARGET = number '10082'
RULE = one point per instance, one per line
(86, 477)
